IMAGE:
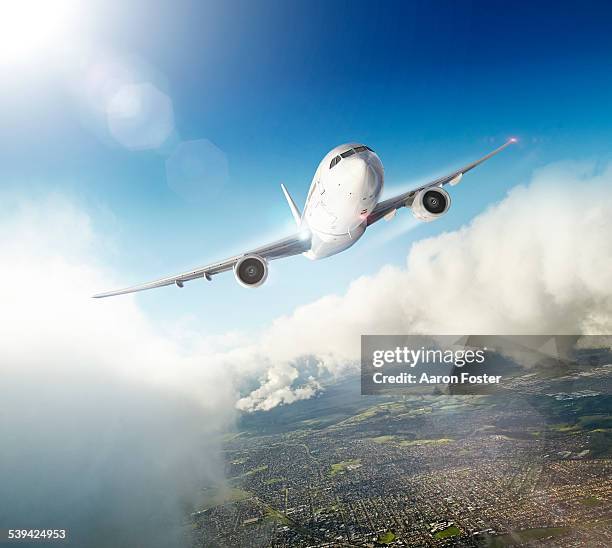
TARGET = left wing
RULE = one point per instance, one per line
(405, 199)
(292, 245)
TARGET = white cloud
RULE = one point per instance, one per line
(276, 389)
(105, 421)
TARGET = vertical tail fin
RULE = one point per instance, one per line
(297, 216)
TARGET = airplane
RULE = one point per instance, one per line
(342, 202)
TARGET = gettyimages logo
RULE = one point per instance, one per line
(412, 358)
(474, 364)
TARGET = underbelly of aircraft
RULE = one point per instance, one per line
(327, 244)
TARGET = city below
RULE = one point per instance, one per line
(526, 466)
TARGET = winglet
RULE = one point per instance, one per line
(297, 216)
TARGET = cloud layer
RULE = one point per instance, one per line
(110, 428)
(539, 262)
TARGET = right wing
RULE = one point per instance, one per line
(292, 245)
(405, 199)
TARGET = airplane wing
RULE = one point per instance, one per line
(405, 199)
(292, 245)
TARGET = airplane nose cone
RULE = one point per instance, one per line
(355, 167)
(360, 177)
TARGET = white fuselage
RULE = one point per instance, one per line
(341, 196)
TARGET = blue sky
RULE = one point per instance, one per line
(275, 85)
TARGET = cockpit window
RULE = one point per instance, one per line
(334, 161)
(349, 152)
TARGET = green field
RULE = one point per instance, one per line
(341, 467)
(262, 468)
(359, 417)
(440, 441)
(383, 439)
(527, 535)
(312, 422)
(386, 538)
(275, 515)
(592, 501)
(236, 479)
(451, 531)
(565, 427)
(217, 496)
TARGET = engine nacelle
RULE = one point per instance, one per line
(251, 271)
(431, 203)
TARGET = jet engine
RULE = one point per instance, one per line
(430, 203)
(251, 271)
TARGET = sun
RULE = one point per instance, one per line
(31, 28)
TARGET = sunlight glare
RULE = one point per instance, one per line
(32, 27)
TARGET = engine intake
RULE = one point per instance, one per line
(251, 271)
(431, 203)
